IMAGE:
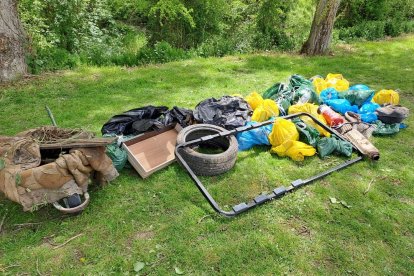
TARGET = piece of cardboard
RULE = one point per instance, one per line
(152, 151)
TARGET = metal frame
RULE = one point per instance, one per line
(277, 192)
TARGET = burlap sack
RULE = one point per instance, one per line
(22, 180)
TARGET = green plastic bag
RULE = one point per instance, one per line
(305, 94)
(118, 155)
(326, 146)
(307, 134)
(385, 129)
(357, 97)
(275, 90)
(296, 81)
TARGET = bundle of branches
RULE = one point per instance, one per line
(54, 135)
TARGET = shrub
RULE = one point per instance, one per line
(161, 52)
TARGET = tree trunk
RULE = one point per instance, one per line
(12, 38)
(321, 32)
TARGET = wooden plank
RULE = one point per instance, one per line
(80, 143)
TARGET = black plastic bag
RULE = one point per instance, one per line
(179, 115)
(135, 121)
(228, 112)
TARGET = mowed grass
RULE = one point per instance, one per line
(165, 222)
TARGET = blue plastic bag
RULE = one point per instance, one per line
(359, 87)
(367, 112)
(328, 94)
(257, 136)
(369, 107)
(342, 106)
(368, 117)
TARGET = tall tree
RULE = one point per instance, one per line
(12, 38)
(321, 31)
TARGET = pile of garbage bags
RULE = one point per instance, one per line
(331, 100)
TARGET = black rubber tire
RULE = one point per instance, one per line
(73, 201)
(208, 164)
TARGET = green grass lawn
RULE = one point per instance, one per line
(165, 222)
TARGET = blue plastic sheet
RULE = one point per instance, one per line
(328, 94)
(342, 106)
(257, 136)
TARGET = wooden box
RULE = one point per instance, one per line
(152, 151)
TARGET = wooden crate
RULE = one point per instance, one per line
(152, 151)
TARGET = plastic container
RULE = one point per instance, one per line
(331, 117)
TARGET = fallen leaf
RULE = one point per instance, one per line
(333, 200)
(178, 271)
(138, 266)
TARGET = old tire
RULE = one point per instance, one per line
(204, 163)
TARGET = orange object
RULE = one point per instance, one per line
(331, 117)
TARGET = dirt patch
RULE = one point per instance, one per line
(145, 235)
(348, 48)
(298, 226)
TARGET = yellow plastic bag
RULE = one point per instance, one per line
(387, 97)
(265, 111)
(271, 108)
(313, 110)
(334, 76)
(282, 131)
(259, 114)
(320, 84)
(254, 99)
(337, 81)
(294, 149)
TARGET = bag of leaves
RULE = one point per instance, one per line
(326, 146)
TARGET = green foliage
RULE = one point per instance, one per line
(271, 24)
(65, 33)
(375, 19)
(161, 52)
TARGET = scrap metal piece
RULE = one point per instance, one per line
(278, 192)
